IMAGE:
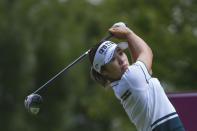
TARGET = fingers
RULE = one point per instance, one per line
(118, 32)
(111, 30)
(114, 29)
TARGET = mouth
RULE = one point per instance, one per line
(124, 67)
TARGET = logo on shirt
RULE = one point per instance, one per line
(126, 95)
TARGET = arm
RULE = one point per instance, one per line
(139, 50)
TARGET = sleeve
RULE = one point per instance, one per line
(144, 69)
(137, 76)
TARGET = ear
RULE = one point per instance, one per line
(105, 75)
(104, 72)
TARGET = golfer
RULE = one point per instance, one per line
(141, 95)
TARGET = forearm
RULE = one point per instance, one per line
(132, 53)
(140, 50)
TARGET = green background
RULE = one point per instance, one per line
(38, 38)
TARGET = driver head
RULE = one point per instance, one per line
(33, 102)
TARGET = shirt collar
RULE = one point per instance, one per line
(114, 83)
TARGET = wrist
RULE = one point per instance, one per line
(129, 34)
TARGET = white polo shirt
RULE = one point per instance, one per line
(143, 98)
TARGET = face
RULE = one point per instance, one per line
(117, 66)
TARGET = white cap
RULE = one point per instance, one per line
(105, 53)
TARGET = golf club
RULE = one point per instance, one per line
(34, 100)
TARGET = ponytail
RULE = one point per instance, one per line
(99, 78)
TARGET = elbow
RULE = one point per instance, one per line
(151, 59)
(151, 55)
(148, 58)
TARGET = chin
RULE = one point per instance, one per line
(124, 69)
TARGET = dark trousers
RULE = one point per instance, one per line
(173, 124)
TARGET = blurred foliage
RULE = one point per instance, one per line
(39, 38)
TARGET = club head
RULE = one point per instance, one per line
(33, 102)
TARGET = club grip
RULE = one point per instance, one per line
(116, 24)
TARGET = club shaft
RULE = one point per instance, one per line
(54, 77)
(75, 61)
(107, 37)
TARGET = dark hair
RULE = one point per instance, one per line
(94, 74)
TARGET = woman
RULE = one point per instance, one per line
(141, 95)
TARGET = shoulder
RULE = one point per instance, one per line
(137, 72)
(144, 69)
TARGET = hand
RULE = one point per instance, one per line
(120, 32)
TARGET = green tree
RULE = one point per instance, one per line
(39, 38)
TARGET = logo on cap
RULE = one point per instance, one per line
(104, 47)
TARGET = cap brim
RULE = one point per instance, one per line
(122, 45)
